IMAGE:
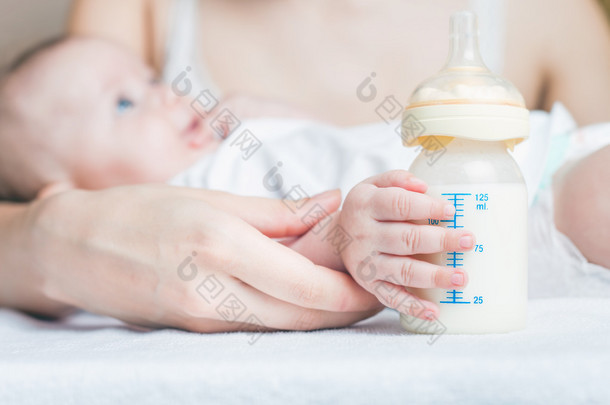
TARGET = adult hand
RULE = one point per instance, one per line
(150, 255)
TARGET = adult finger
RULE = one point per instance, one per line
(276, 270)
(258, 311)
(303, 319)
(275, 218)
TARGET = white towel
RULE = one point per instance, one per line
(563, 357)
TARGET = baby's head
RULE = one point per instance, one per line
(88, 112)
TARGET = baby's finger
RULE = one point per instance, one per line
(409, 272)
(396, 204)
(398, 178)
(396, 297)
(399, 238)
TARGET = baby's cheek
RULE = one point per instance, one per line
(154, 152)
(165, 163)
(151, 166)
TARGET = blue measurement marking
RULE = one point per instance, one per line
(454, 298)
(454, 259)
(455, 197)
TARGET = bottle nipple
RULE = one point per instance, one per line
(464, 43)
(465, 79)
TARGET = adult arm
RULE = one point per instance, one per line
(141, 25)
(20, 281)
(119, 252)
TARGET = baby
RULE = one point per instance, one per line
(88, 114)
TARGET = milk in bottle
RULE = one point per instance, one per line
(464, 119)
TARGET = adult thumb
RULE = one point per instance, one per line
(286, 217)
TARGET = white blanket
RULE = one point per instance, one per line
(563, 357)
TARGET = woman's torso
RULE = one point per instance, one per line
(315, 54)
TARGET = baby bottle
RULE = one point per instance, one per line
(464, 119)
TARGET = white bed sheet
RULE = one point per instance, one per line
(563, 357)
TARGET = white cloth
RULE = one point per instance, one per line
(317, 157)
(183, 50)
(310, 156)
(563, 357)
(294, 159)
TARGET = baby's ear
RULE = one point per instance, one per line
(54, 188)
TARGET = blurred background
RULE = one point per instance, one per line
(27, 22)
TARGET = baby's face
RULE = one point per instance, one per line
(115, 124)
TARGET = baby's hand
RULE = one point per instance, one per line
(378, 214)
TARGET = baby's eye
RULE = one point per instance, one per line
(123, 105)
